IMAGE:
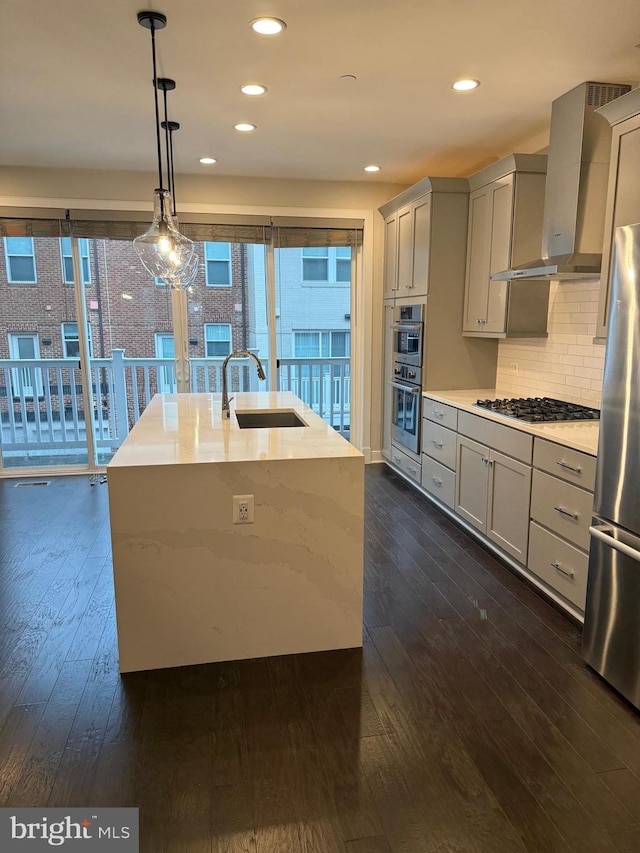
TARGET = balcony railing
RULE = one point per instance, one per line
(42, 407)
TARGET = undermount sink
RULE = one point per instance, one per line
(269, 420)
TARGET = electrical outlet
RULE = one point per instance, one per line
(243, 509)
(513, 367)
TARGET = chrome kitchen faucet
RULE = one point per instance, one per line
(238, 353)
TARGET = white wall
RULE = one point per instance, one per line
(566, 365)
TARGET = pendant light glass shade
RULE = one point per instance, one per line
(163, 250)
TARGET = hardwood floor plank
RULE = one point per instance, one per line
(369, 845)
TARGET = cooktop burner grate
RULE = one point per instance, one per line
(537, 409)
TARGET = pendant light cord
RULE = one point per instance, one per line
(167, 135)
(172, 173)
(155, 92)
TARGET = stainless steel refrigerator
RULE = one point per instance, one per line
(611, 641)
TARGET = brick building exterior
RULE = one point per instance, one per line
(125, 307)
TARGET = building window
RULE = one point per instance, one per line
(67, 260)
(165, 348)
(327, 265)
(327, 344)
(70, 342)
(25, 381)
(21, 260)
(217, 267)
(217, 339)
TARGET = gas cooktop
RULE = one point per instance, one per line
(537, 409)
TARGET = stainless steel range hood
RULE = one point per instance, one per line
(575, 188)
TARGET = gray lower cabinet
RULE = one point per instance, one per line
(492, 494)
(561, 510)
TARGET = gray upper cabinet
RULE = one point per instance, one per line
(407, 250)
(623, 197)
(505, 229)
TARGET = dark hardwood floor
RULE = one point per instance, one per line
(467, 723)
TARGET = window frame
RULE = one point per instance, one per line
(66, 340)
(8, 255)
(207, 260)
(332, 260)
(207, 340)
(320, 333)
(86, 275)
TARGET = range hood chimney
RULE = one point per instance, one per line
(575, 188)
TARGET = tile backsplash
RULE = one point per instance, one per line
(567, 364)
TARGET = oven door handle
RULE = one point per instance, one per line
(406, 327)
(412, 389)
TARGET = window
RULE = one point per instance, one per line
(217, 339)
(218, 264)
(26, 379)
(67, 260)
(321, 344)
(21, 260)
(70, 342)
(324, 264)
(165, 348)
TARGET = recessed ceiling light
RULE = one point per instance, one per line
(207, 161)
(253, 89)
(465, 85)
(244, 127)
(372, 168)
(268, 26)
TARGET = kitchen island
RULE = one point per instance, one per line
(192, 586)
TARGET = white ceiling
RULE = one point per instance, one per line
(75, 82)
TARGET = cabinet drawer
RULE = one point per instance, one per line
(438, 480)
(562, 507)
(563, 462)
(406, 464)
(439, 443)
(559, 564)
(513, 442)
(440, 413)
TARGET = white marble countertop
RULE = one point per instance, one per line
(579, 435)
(185, 429)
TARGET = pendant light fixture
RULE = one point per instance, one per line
(186, 276)
(163, 250)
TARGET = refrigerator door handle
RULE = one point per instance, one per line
(602, 532)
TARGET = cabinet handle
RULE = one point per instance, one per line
(412, 469)
(563, 511)
(437, 443)
(487, 461)
(437, 481)
(480, 321)
(559, 568)
(569, 467)
(438, 415)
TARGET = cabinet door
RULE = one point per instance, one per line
(500, 254)
(623, 202)
(421, 245)
(472, 482)
(391, 256)
(478, 255)
(405, 251)
(508, 505)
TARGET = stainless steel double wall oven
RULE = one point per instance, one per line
(408, 348)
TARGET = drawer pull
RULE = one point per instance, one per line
(437, 481)
(566, 512)
(569, 467)
(437, 414)
(487, 461)
(559, 568)
(437, 443)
